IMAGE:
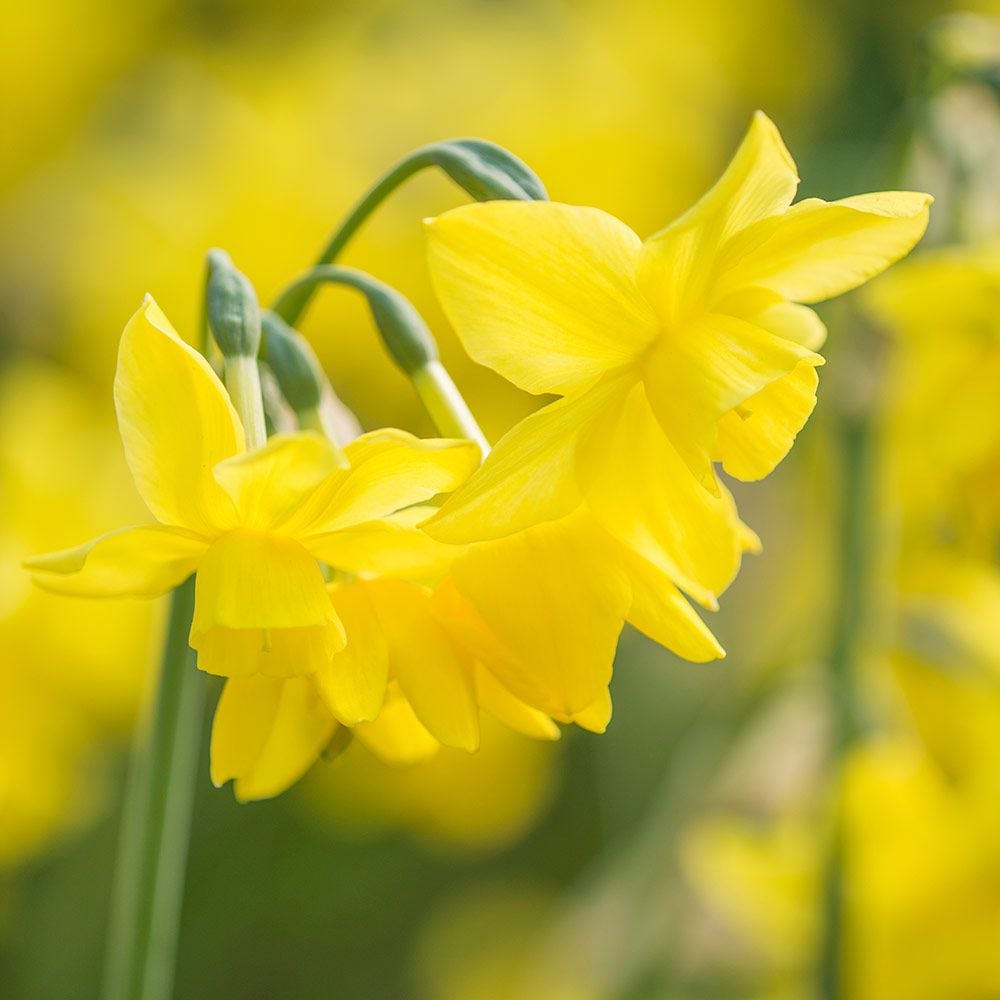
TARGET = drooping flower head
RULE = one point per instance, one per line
(410, 679)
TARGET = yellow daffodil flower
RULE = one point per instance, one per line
(523, 628)
(414, 675)
(436, 634)
(550, 602)
(670, 354)
(254, 525)
(403, 685)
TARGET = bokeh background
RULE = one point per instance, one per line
(681, 855)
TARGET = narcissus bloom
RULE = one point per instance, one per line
(254, 525)
(523, 628)
(419, 665)
(404, 685)
(551, 601)
(690, 348)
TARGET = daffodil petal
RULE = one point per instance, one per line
(530, 476)
(261, 605)
(132, 562)
(596, 716)
(466, 626)
(260, 581)
(676, 264)
(427, 665)
(753, 440)
(555, 598)
(397, 736)
(176, 423)
(511, 711)
(268, 484)
(760, 181)
(389, 470)
(794, 322)
(703, 370)
(644, 495)
(393, 546)
(820, 249)
(267, 733)
(353, 683)
(767, 309)
(276, 652)
(660, 611)
(543, 293)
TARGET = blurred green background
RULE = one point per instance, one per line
(675, 856)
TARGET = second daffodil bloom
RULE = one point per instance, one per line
(253, 525)
(670, 354)
(408, 681)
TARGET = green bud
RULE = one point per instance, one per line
(233, 311)
(292, 362)
(403, 330)
(486, 171)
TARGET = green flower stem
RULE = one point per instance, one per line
(445, 404)
(243, 385)
(156, 823)
(482, 169)
(410, 342)
(312, 420)
(848, 630)
(294, 301)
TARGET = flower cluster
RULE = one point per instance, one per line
(339, 597)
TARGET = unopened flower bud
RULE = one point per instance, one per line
(403, 330)
(292, 363)
(486, 171)
(233, 310)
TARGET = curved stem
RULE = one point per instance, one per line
(307, 283)
(156, 823)
(435, 387)
(855, 529)
(294, 301)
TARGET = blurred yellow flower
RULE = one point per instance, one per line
(477, 802)
(943, 425)
(923, 899)
(252, 524)
(68, 692)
